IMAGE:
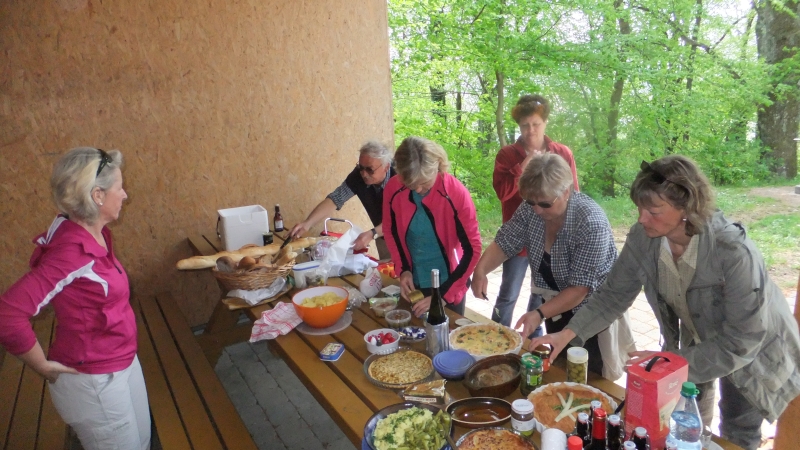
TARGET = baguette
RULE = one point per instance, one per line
(206, 262)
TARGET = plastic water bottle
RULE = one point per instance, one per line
(685, 425)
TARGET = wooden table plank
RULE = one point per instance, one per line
(52, 429)
(171, 432)
(232, 430)
(10, 377)
(29, 399)
(192, 411)
(200, 245)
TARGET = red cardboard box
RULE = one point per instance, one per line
(653, 390)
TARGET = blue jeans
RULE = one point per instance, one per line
(514, 270)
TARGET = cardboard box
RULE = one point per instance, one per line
(240, 226)
(653, 389)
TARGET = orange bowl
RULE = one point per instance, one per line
(320, 316)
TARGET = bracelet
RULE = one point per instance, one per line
(540, 313)
(374, 233)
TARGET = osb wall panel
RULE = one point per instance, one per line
(214, 104)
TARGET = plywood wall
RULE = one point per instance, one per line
(214, 104)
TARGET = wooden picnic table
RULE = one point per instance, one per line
(343, 389)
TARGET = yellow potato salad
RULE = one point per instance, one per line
(326, 299)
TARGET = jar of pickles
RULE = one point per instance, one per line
(530, 373)
(577, 364)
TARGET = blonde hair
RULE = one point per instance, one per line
(75, 176)
(677, 180)
(418, 161)
(546, 176)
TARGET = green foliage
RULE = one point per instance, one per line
(627, 82)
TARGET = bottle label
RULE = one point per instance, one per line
(523, 426)
(279, 225)
(534, 380)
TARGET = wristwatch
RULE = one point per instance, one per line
(374, 233)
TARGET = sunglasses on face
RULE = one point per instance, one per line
(543, 205)
(104, 160)
(657, 176)
(368, 170)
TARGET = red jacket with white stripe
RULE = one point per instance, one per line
(452, 213)
(96, 329)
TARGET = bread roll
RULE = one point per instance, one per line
(246, 263)
(285, 259)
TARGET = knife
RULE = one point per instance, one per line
(285, 242)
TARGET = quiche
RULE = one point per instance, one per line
(495, 439)
(401, 367)
(484, 339)
(550, 402)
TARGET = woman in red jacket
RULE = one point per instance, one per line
(95, 379)
(531, 113)
(429, 222)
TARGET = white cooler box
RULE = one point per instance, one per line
(237, 227)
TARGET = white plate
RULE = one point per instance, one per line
(463, 321)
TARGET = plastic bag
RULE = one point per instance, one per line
(255, 296)
(371, 284)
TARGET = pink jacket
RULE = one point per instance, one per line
(96, 330)
(450, 206)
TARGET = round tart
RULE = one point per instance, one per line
(482, 340)
(551, 400)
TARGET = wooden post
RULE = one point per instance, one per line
(787, 433)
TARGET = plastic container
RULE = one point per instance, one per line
(398, 318)
(237, 227)
(453, 364)
(685, 424)
(577, 364)
(299, 272)
(380, 306)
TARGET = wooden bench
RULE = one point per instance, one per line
(28, 419)
(188, 404)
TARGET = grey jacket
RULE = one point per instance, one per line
(746, 329)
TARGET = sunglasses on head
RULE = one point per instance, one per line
(104, 160)
(368, 170)
(543, 205)
(657, 176)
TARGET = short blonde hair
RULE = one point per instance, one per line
(418, 161)
(678, 181)
(75, 176)
(546, 176)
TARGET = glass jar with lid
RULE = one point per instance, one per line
(522, 417)
(543, 352)
(530, 373)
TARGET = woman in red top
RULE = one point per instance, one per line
(95, 379)
(531, 113)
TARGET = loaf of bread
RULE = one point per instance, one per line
(206, 262)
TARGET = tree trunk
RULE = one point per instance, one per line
(777, 37)
(499, 113)
(613, 112)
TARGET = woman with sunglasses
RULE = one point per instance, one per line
(569, 242)
(367, 182)
(94, 375)
(430, 223)
(711, 294)
(531, 113)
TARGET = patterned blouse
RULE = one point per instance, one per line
(582, 254)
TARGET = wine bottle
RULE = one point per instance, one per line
(582, 428)
(436, 314)
(598, 430)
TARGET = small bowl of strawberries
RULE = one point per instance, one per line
(382, 341)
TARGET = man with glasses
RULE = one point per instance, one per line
(366, 181)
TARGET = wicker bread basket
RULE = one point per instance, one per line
(250, 280)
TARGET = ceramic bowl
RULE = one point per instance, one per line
(383, 349)
(477, 412)
(369, 429)
(476, 389)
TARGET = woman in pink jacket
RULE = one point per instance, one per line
(429, 222)
(95, 379)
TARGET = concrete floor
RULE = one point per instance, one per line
(280, 413)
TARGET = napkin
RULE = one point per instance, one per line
(275, 322)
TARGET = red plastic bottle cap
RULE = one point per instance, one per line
(574, 443)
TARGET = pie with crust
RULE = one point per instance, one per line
(485, 339)
(402, 367)
(550, 401)
(495, 439)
